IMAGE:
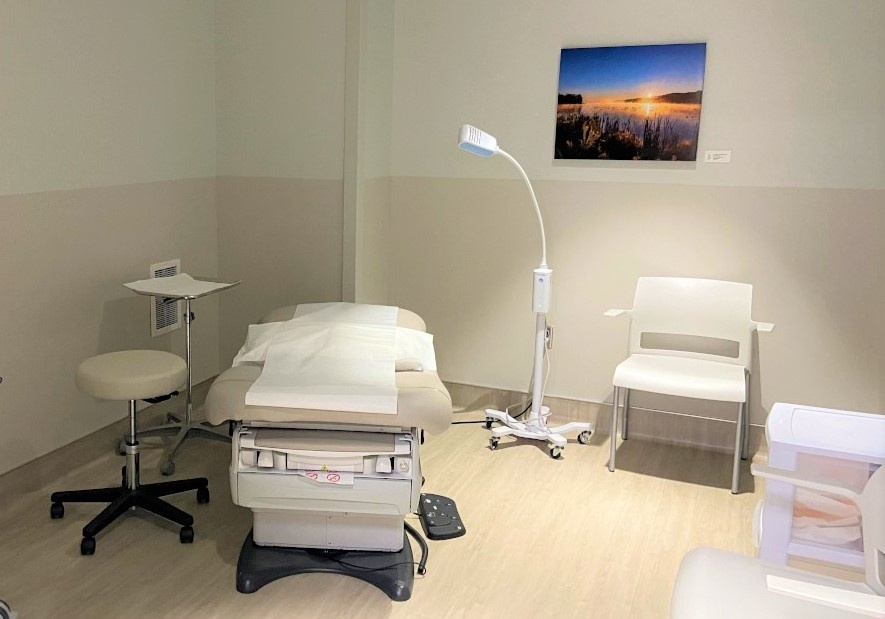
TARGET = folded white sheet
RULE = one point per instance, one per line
(334, 356)
(413, 349)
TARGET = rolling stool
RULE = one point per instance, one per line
(132, 375)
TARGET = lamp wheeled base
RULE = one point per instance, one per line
(536, 429)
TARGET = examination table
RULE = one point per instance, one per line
(329, 490)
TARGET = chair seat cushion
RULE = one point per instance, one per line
(715, 583)
(681, 376)
(131, 374)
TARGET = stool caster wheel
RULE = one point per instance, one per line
(584, 437)
(56, 511)
(493, 443)
(167, 468)
(555, 452)
(488, 423)
(231, 426)
(186, 535)
(202, 495)
(121, 447)
(87, 546)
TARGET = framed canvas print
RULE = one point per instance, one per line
(637, 102)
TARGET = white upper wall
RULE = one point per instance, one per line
(280, 88)
(105, 92)
(794, 88)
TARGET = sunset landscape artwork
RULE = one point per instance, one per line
(639, 102)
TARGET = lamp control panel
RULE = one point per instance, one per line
(541, 289)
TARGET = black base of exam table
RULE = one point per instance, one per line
(392, 572)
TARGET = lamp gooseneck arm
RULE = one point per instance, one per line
(534, 202)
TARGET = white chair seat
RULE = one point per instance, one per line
(682, 376)
(724, 585)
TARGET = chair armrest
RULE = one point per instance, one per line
(614, 313)
(790, 477)
(764, 327)
(853, 601)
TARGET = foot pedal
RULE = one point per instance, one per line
(439, 517)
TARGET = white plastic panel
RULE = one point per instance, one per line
(328, 530)
(823, 430)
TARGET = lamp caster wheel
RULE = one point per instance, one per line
(56, 511)
(488, 423)
(202, 495)
(87, 546)
(186, 535)
(493, 443)
(584, 437)
(167, 468)
(556, 452)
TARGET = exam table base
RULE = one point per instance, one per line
(392, 572)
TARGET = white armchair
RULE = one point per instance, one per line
(689, 313)
(716, 583)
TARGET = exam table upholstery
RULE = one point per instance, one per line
(423, 401)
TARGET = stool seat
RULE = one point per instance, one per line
(131, 374)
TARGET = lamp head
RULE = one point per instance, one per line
(476, 141)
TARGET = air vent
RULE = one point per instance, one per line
(165, 317)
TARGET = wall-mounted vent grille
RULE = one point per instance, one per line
(165, 317)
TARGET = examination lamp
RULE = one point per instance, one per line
(480, 143)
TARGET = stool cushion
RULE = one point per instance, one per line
(131, 374)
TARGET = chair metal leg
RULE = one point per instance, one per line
(745, 451)
(626, 414)
(738, 441)
(614, 435)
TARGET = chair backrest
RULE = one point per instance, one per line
(872, 514)
(696, 309)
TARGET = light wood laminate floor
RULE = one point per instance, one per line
(545, 538)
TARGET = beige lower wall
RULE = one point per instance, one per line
(64, 256)
(372, 238)
(462, 251)
(283, 239)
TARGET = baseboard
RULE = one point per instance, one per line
(646, 424)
